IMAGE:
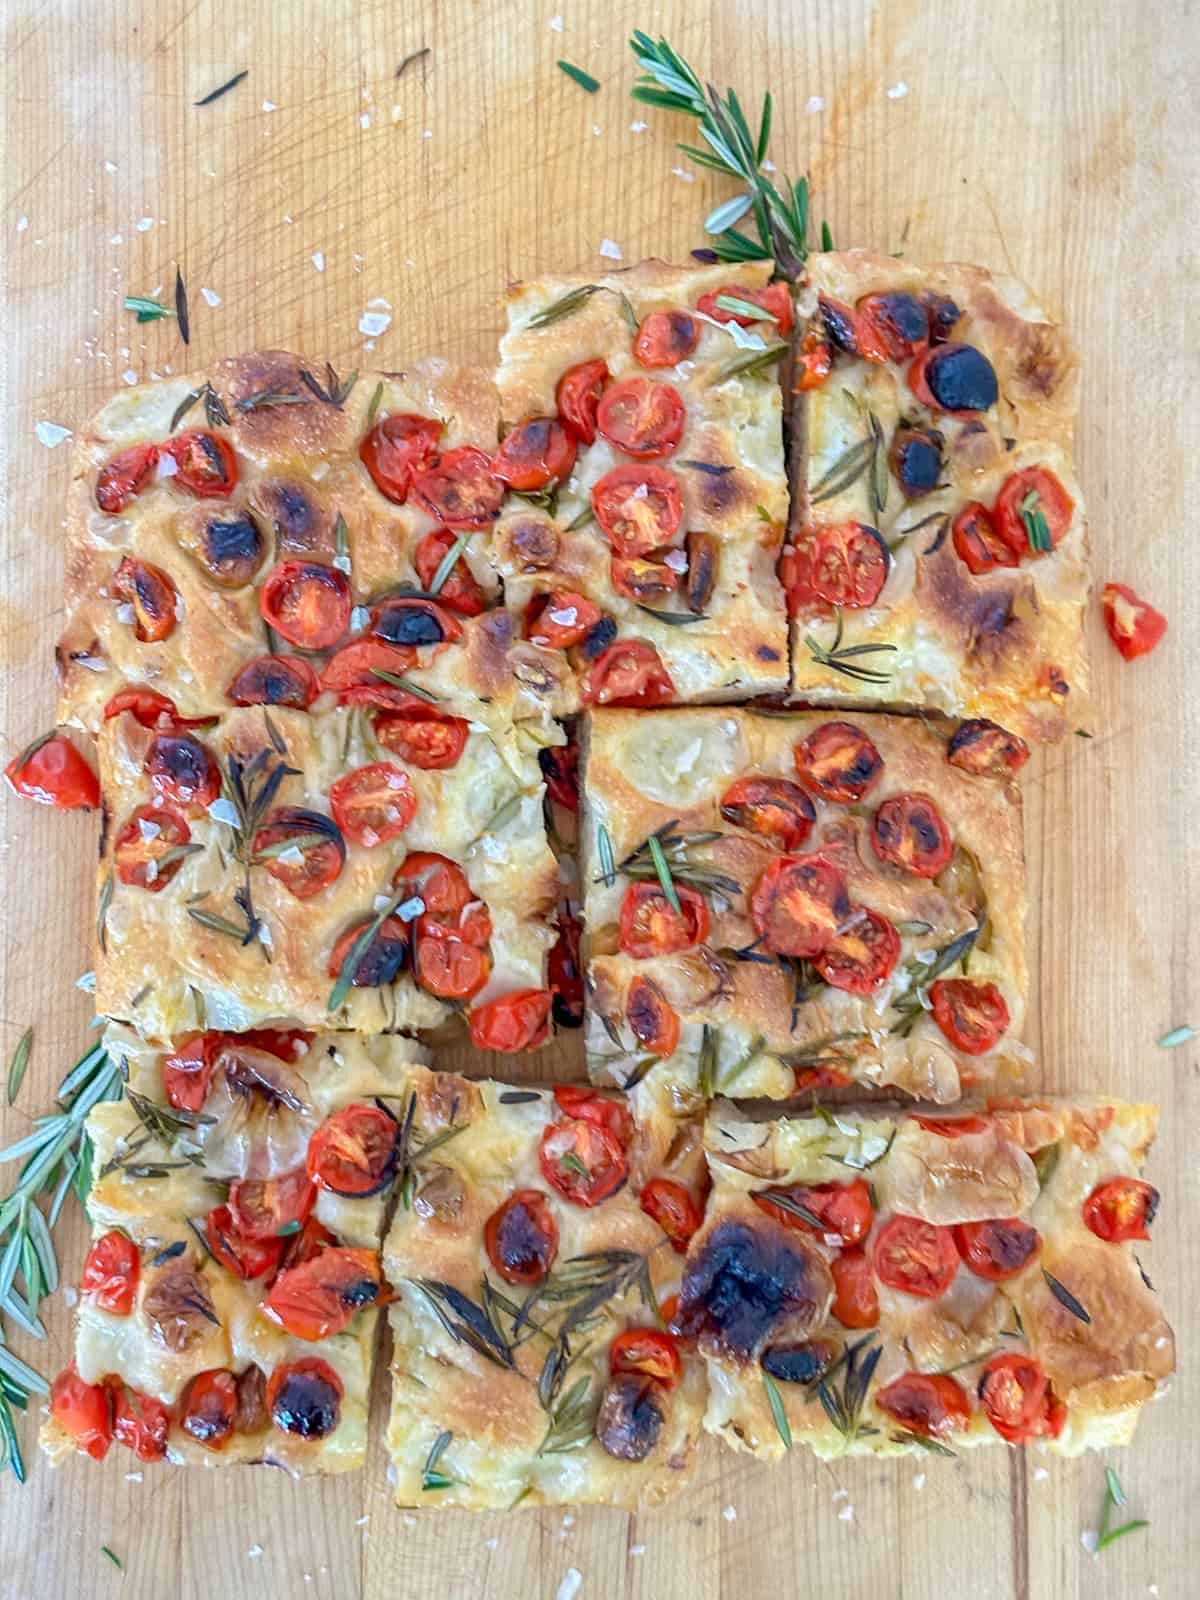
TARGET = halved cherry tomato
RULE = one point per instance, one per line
(850, 332)
(1121, 1209)
(560, 770)
(628, 673)
(307, 1244)
(512, 1022)
(182, 769)
(142, 849)
(521, 1237)
(1018, 1401)
(459, 489)
(909, 831)
(271, 1208)
(373, 804)
(206, 465)
(861, 955)
(653, 1023)
(798, 905)
(245, 1258)
(275, 681)
(123, 478)
(150, 594)
(111, 1273)
(353, 1152)
(582, 1161)
(838, 762)
(398, 447)
(561, 618)
(321, 1297)
(931, 1405)
(954, 377)
(639, 579)
(812, 362)
(855, 1299)
(84, 1410)
(774, 808)
(837, 564)
(666, 338)
(650, 927)
(147, 707)
(53, 773)
(305, 1398)
(461, 591)
(429, 743)
(672, 1207)
(208, 1408)
(971, 1015)
(978, 541)
(605, 1110)
(841, 1210)
(537, 452)
(639, 509)
(448, 965)
(564, 972)
(352, 673)
(410, 622)
(897, 320)
(308, 835)
(916, 1257)
(438, 882)
(307, 602)
(642, 418)
(986, 749)
(997, 1249)
(578, 395)
(381, 962)
(1033, 511)
(1133, 624)
(775, 300)
(141, 1423)
(187, 1071)
(952, 1127)
(648, 1352)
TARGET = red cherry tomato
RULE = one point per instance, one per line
(564, 972)
(840, 1213)
(183, 770)
(855, 1299)
(1133, 624)
(672, 1207)
(898, 322)
(641, 580)
(986, 749)
(838, 762)
(150, 594)
(147, 707)
(429, 743)
(861, 955)
(628, 673)
(381, 962)
(459, 489)
(304, 1398)
(652, 1021)
(512, 1022)
(582, 1162)
(321, 1297)
(604, 1110)
(639, 509)
(111, 1273)
(978, 541)
(775, 301)
(649, 1353)
(398, 447)
(208, 1408)
(461, 591)
(954, 377)
(142, 849)
(835, 564)
(141, 1423)
(353, 1153)
(642, 418)
(245, 1258)
(1121, 1209)
(537, 452)
(650, 927)
(916, 1257)
(798, 905)
(561, 619)
(84, 1410)
(307, 603)
(1018, 1401)
(773, 808)
(952, 1127)
(971, 1015)
(521, 1238)
(666, 338)
(812, 362)
(53, 773)
(271, 1208)
(577, 397)
(312, 836)
(931, 1405)
(123, 478)
(373, 804)
(439, 882)
(187, 1071)
(997, 1249)
(1033, 511)
(351, 674)
(275, 681)
(448, 965)
(909, 831)
(206, 465)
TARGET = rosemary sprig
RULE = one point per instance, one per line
(913, 1006)
(264, 399)
(664, 874)
(923, 1442)
(843, 474)
(641, 864)
(410, 1155)
(399, 681)
(571, 302)
(572, 1420)
(673, 619)
(250, 787)
(750, 363)
(579, 76)
(844, 1406)
(778, 1412)
(845, 660)
(361, 945)
(466, 1321)
(1114, 1499)
(215, 412)
(19, 1064)
(334, 391)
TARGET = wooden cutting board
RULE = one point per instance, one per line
(1052, 138)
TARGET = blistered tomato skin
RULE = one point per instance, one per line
(521, 1238)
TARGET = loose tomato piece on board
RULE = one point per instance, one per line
(84, 1410)
(931, 1405)
(916, 1257)
(642, 418)
(521, 1237)
(564, 973)
(183, 770)
(271, 1208)
(431, 743)
(651, 927)
(534, 454)
(652, 1021)
(861, 955)
(997, 1249)
(396, 449)
(1033, 511)
(910, 832)
(460, 489)
(954, 377)
(604, 1110)
(205, 464)
(123, 478)
(304, 1398)
(978, 541)
(1121, 1209)
(143, 848)
(321, 1297)
(578, 395)
(111, 1273)
(561, 619)
(447, 964)
(275, 681)
(582, 1162)
(151, 596)
(246, 1258)
(971, 1015)
(441, 884)
(302, 850)
(52, 772)
(897, 320)
(840, 1211)
(665, 338)
(1018, 1401)
(773, 808)
(460, 592)
(798, 905)
(855, 1298)
(512, 1022)
(141, 1423)
(672, 1207)
(306, 602)
(986, 749)
(648, 1352)
(836, 564)
(639, 509)
(775, 303)
(838, 762)
(187, 1071)
(353, 1153)
(208, 1408)
(373, 804)
(628, 673)
(381, 962)
(1133, 624)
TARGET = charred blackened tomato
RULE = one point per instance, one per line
(703, 554)
(774, 808)
(178, 1307)
(1033, 511)
(898, 321)
(931, 1405)
(578, 395)
(304, 1398)
(674, 1209)
(855, 1298)
(1018, 1401)
(275, 681)
(534, 454)
(187, 1071)
(641, 417)
(149, 849)
(521, 1237)
(460, 591)
(986, 749)
(303, 850)
(648, 1353)
(111, 1272)
(915, 458)
(943, 315)
(651, 927)
(564, 973)
(582, 1161)
(979, 543)
(408, 622)
(1134, 625)
(666, 338)
(639, 509)
(353, 1153)
(321, 1297)
(835, 564)
(842, 327)
(373, 804)
(398, 447)
(381, 962)
(916, 1257)
(1121, 1209)
(208, 1408)
(643, 580)
(431, 743)
(774, 303)
(605, 1110)
(512, 1022)
(630, 1418)
(747, 1282)
(997, 1249)
(85, 1411)
(245, 1258)
(806, 1361)
(954, 377)
(909, 831)
(53, 773)
(840, 1213)
(653, 1023)
(561, 619)
(123, 478)
(838, 762)
(560, 769)
(141, 1423)
(971, 1015)
(447, 964)
(205, 464)
(150, 594)
(184, 770)
(798, 905)
(307, 603)
(230, 550)
(459, 489)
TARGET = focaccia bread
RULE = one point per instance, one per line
(851, 905)
(229, 1302)
(938, 551)
(243, 863)
(876, 1283)
(644, 452)
(528, 1256)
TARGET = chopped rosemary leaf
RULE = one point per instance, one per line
(582, 78)
(181, 308)
(1065, 1298)
(1114, 1499)
(447, 564)
(778, 1412)
(19, 1064)
(431, 1476)
(608, 870)
(398, 681)
(664, 874)
(215, 94)
(1037, 529)
(744, 308)
(145, 309)
(115, 1559)
(373, 408)
(751, 363)
(826, 236)
(1178, 1036)
(845, 660)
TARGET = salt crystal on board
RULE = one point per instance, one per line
(210, 297)
(572, 1583)
(318, 260)
(730, 1513)
(816, 102)
(611, 250)
(556, 24)
(51, 433)
(897, 91)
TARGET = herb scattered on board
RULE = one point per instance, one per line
(1178, 1036)
(215, 94)
(113, 1557)
(412, 58)
(579, 76)
(145, 309)
(181, 308)
(19, 1064)
(1114, 1500)
(847, 660)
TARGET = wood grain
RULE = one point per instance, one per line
(1054, 138)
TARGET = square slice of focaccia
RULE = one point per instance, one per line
(877, 1282)
(229, 1301)
(938, 555)
(257, 534)
(245, 863)
(644, 451)
(851, 905)
(539, 1236)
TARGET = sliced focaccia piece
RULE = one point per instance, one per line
(277, 866)
(871, 1282)
(644, 454)
(228, 1303)
(539, 1236)
(850, 905)
(938, 554)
